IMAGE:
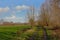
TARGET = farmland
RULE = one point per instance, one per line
(30, 20)
(19, 32)
(9, 32)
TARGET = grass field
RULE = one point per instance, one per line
(14, 32)
(9, 32)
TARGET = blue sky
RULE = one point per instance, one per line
(15, 10)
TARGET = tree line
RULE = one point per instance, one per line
(48, 16)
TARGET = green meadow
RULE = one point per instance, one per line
(10, 32)
(22, 32)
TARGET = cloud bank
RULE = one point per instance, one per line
(6, 9)
(13, 17)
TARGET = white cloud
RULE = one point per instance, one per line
(6, 9)
(14, 19)
(17, 8)
(1, 9)
(22, 7)
(11, 17)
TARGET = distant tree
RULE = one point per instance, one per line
(30, 15)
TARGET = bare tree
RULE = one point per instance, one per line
(56, 15)
(44, 16)
(54, 12)
(31, 17)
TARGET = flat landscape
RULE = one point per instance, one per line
(10, 32)
(29, 19)
(21, 32)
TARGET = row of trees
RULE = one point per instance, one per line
(49, 14)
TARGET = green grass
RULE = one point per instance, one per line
(12, 28)
(9, 32)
